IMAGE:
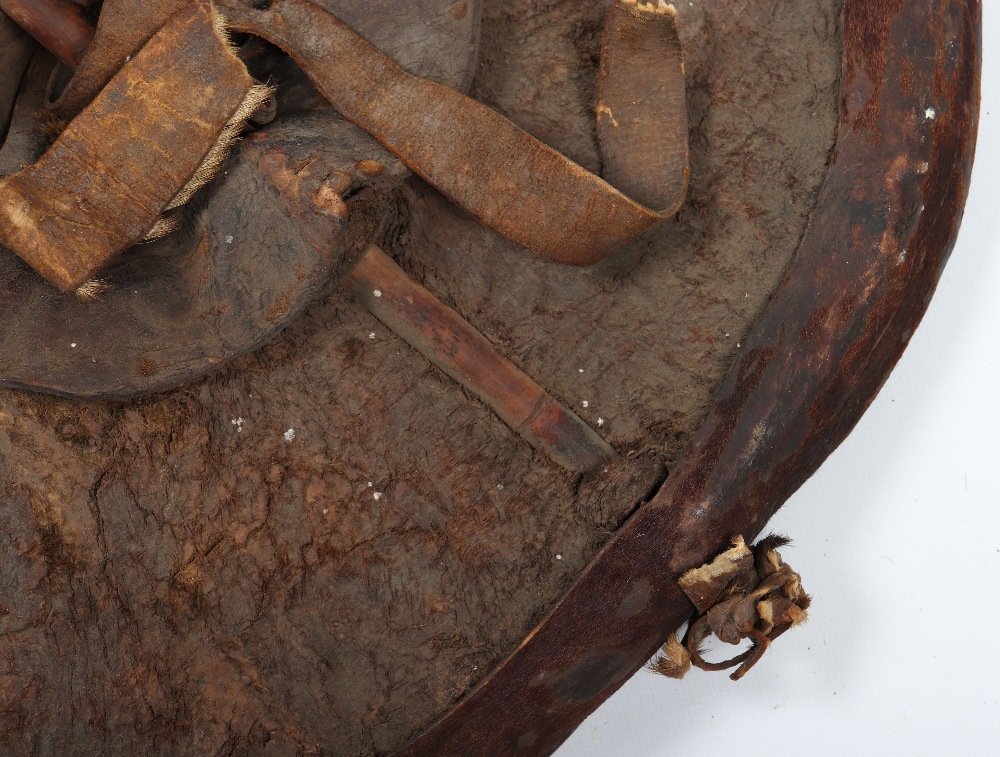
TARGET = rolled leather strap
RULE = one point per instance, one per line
(122, 162)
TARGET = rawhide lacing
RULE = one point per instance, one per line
(744, 593)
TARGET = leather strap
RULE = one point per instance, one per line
(111, 174)
(122, 30)
(481, 161)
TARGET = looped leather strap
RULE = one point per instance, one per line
(481, 161)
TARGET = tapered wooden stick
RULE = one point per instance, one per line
(453, 345)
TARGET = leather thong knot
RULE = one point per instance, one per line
(743, 594)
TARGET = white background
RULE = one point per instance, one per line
(898, 540)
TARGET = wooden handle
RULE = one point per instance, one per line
(453, 345)
(58, 25)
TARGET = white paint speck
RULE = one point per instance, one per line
(377, 496)
(326, 511)
(370, 484)
(238, 422)
(581, 370)
(377, 292)
(601, 422)
(559, 557)
(229, 239)
(73, 345)
(586, 403)
(371, 335)
(290, 435)
(500, 487)
(930, 114)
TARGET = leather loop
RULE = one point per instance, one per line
(484, 163)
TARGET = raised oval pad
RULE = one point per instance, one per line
(255, 248)
(221, 588)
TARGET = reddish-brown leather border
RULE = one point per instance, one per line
(883, 228)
